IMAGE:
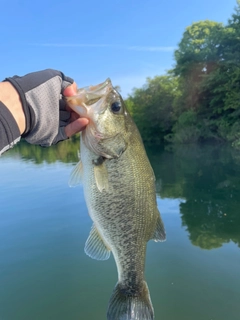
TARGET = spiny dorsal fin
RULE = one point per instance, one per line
(76, 175)
(159, 233)
(95, 247)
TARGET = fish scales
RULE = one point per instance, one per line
(117, 214)
(119, 189)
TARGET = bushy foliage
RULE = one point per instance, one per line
(199, 99)
(152, 107)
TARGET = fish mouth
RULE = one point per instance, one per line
(87, 96)
(101, 88)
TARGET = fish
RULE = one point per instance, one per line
(119, 190)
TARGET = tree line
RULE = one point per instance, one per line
(199, 99)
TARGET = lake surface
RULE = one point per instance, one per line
(45, 274)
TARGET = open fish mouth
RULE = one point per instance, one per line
(87, 96)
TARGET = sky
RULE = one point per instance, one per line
(90, 41)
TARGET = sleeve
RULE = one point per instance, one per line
(43, 104)
(9, 131)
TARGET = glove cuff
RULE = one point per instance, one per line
(9, 131)
(29, 114)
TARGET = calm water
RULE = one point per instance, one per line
(45, 275)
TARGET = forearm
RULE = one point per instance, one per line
(12, 119)
(10, 98)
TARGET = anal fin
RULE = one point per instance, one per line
(95, 247)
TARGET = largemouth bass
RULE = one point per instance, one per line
(119, 189)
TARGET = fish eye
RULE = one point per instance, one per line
(116, 106)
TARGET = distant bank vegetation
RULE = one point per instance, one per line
(199, 99)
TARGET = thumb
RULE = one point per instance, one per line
(70, 90)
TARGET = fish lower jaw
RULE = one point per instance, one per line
(82, 110)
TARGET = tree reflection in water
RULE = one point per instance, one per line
(206, 177)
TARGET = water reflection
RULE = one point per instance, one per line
(66, 152)
(207, 178)
(45, 274)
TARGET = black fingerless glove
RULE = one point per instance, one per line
(44, 108)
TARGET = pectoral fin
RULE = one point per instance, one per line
(159, 233)
(76, 175)
(95, 247)
(101, 177)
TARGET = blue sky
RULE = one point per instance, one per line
(126, 40)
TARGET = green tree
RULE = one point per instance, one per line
(152, 107)
(196, 57)
(198, 50)
(220, 90)
(199, 99)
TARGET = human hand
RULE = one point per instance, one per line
(76, 124)
(48, 118)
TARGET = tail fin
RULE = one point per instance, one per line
(125, 306)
